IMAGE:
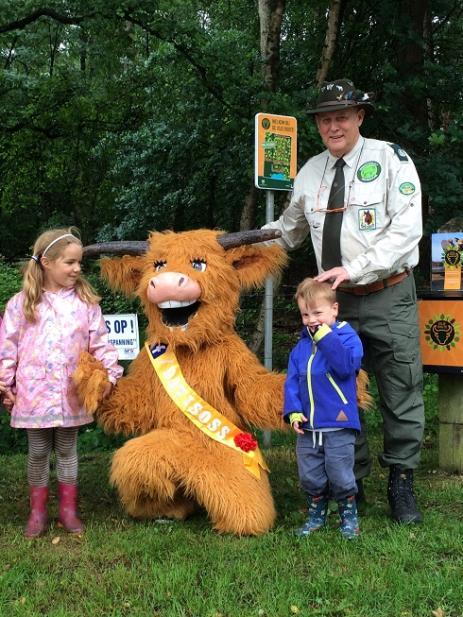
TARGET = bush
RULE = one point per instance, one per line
(10, 282)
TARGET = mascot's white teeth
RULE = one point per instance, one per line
(175, 304)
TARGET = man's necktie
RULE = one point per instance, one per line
(331, 240)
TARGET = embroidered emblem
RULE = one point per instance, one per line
(341, 417)
(401, 154)
(367, 219)
(407, 188)
(369, 171)
(158, 350)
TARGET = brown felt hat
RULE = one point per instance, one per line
(340, 94)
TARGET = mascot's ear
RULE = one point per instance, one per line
(253, 263)
(122, 274)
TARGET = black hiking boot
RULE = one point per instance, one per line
(401, 497)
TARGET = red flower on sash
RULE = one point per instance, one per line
(245, 441)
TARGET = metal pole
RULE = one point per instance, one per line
(268, 309)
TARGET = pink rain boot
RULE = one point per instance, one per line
(38, 519)
(67, 496)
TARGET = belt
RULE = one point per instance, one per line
(365, 290)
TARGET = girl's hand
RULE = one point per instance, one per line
(107, 390)
(2, 386)
(9, 400)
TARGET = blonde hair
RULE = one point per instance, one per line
(311, 291)
(53, 244)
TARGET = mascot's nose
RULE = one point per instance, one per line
(173, 286)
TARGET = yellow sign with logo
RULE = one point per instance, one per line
(275, 152)
(441, 323)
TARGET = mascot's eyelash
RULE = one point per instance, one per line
(158, 264)
(199, 264)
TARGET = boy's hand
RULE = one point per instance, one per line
(296, 419)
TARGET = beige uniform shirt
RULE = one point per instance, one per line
(382, 222)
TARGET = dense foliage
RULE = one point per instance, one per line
(131, 115)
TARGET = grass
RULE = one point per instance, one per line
(125, 568)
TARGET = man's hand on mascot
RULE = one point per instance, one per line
(296, 419)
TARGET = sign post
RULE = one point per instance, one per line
(441, 338)
(275, 170)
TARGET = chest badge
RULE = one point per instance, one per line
(369, 171)
(367, 219)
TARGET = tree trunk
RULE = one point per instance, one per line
(271, 16)
(411, 56)
(83, 40)
(248, 214)
(429, 52)
(329, 45)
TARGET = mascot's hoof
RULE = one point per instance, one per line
(364, 398)
(91, 379)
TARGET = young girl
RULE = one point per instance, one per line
(45, 327)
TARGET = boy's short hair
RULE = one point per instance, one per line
(311, 290)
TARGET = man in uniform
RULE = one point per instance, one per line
(360, 200)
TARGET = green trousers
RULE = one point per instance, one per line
(387, 322)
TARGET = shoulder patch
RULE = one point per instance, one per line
(401, 154)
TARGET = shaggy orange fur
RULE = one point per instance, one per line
(91, 372)
(170, 467)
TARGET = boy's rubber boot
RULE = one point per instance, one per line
(401, 496)
(349, 526)
(38, 518)
(67, 497)
(318, 511)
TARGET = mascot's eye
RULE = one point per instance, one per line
(158, 265)
(199, 264)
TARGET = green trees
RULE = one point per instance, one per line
(132, 115)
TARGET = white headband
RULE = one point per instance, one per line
(37, 257)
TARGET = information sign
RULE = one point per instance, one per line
(275, 152)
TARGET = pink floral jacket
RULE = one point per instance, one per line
(38, 359)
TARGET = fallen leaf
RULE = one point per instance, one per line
(295, 609)
(22, 600)
(56, 540)
(438, 612)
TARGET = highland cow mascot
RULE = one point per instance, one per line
(195, 390)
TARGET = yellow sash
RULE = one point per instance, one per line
(204, 416)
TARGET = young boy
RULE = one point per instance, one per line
(321, 406)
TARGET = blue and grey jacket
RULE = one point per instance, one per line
(321, 379)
